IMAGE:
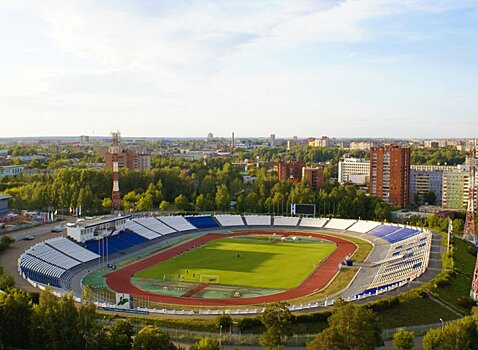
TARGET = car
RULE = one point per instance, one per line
(28, 238)
(57, 229)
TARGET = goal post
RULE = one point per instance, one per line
(209, 278)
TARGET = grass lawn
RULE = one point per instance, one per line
(260, 263)
(464, 261)
(415, 312)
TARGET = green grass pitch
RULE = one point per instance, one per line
(262, 264)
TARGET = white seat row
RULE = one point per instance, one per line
(72, 249)
(229, 220)
(340, 224)
(52, 256)
(141, 230)
(179, 223)
(258, 220)
(285, 221)
(155, 225)
(363, 226)
(313, 222)
(37, 265)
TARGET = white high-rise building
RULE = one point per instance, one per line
(354, 170)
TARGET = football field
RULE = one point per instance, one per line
(245, 261)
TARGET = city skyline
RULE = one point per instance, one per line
(354, 69)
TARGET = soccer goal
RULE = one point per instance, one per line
(209, 278)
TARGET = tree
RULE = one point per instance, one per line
(350, 327)
(224, 320)
(120, 335)
(152, 338)
(403, 340)
(206, 343)
(164, 205)
(145, 203)
(6, 282)
(223, 199)
(276, 318)
(181, 202)
(15, 312)
(432, 340)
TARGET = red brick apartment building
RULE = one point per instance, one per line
(291, 170)
(390, 174)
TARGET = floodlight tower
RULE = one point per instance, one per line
(114, 150)
(469, 231)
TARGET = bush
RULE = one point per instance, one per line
(471, 250)
(250, 325)
(223, 320)
(466, 302)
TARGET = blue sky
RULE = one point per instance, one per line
(363, 68)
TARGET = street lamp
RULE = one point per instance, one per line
(220, 335)
(442, 323)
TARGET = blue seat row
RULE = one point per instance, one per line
(202, 221)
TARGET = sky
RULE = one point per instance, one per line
(179, 68)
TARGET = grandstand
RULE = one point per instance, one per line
(226, 220)
(202, 221)
(179, 223)
(141, 230)
(286, 221)
(313, 222)
(363, 226)
(258, 220)
(339, 224)
(66, 246)
(155, 225)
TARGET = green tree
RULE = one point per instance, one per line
(152, 338)
(277, 319)
(222, 199)
(120, 335)
(350, 327)
(206, 343)
(403, 340)
(145, 203)
(181, 202)
(224, 320)
(6, 282)
(164, 205)
(15, 319)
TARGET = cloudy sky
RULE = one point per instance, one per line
(369, 68)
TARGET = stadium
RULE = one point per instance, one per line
(209, 264)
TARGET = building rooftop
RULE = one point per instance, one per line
(4, 197)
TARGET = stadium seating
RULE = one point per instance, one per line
(72, 249)
(141, 230)
(286, 221)
(401, 234)
(229, 220)
(383, 230)
(258, 220)
(39, 270)
(339, 224)
(133, 237)
(313, 222)
(52, 256)
(100, 247)
(155, 225)
(363, 226)
(205, 221)
(179, 223)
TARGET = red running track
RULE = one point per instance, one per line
(120, 280)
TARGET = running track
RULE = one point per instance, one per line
(120, 280)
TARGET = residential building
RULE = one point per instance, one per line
(455, 191)
(390, 174)
(361, 145)
(272, 140)
(291, 170)
(423, 181)
(11, 170)
(130, 159)
(324, 141)
(313, 176)
(354, 170)
(4, 204)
